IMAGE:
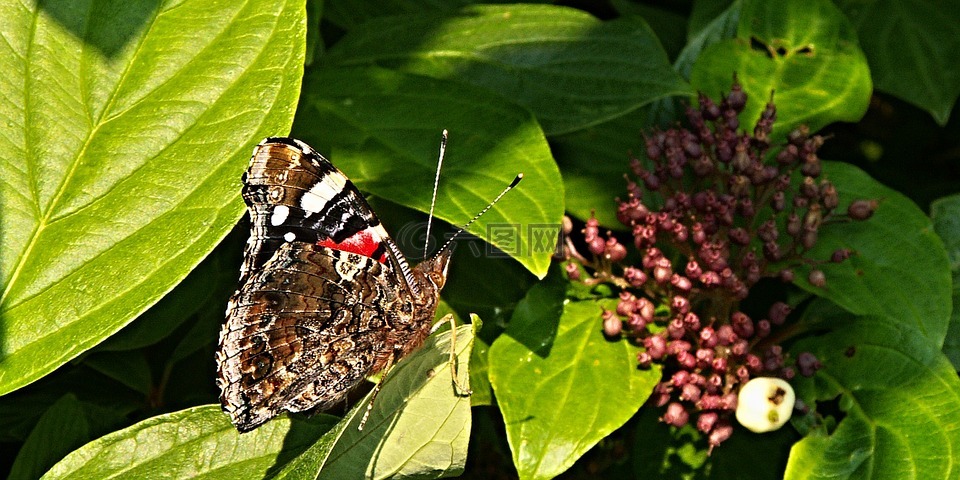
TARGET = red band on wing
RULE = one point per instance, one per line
(365, 242)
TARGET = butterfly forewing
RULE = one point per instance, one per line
(295, 194)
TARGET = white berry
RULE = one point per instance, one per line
(765, 404)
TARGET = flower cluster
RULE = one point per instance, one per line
(713, 211)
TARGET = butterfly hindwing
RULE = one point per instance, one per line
(304, 331)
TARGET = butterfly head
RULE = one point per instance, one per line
(433, 271)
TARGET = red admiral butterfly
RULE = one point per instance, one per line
(326, 298)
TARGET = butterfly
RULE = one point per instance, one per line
(326, 298)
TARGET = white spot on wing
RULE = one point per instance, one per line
(280, 213)
(303, 146)
(289, 236)
(317, 197)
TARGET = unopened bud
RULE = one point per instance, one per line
(635, 277)
(675, 415)
(573, 272)
(721, 432)
(808, 364)
(706, 421)
(778, 313)
(817, 278)
(862, 209)
(612, 325)
(840, 255)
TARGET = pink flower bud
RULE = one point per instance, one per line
(706, 421)
(680, 304)
(817, 278)
(721, 432)
(708, 338)
(778, 313)
(644, 360)
(690, 393)
(862, 209)
(635, 277)
(612, 326)
(808, 364)
(646, 309)
(614, 250)
(719, 364)
(596, 245)
(656, 346)
(681, 283)
(726, 335)
(687, 360)
(573, 273)
(675, 415)
(680, 378)
(662, 271)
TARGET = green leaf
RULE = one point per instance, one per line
(945, 213)
(669, 26)
(66, 425)
(487, 285)
(195, 442)
(569, 68)
(562, 390)
(895, 247)
(418, 425)
(805, 51)
(383, 129)
(900, 397)
(208, 286)
(348, 14)
(314, 43)
(480, 374)
(106, 399)
(707, 26)
(126, 130)
(912, 49)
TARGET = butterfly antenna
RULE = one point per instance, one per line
(436, 183)
(477, 216)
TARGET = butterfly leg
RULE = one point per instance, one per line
(376, 391)
(461, 390)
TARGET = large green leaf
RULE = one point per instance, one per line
(66, 425)
(912, 49)
(383, 129)
(418, 426)
(562, 386)
(804, 51)
(898, 269)
(945, 213)
(125, 130)
(569, 68)
(901, 402)
(710, 22)
(206, 288)
(197, 442)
